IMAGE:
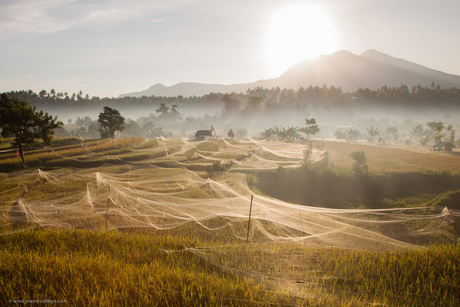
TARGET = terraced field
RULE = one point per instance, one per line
(181, 222)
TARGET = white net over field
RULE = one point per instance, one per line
(162, 187)
(168, 198)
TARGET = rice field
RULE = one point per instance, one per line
(165, 223)
(401, 159)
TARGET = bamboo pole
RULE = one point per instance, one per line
(453, 223)
(249, 220)
(107, 209)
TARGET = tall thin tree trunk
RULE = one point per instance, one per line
(21, 154)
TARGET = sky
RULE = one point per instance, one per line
(108, 47)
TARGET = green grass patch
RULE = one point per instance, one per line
(207, 146)
(225, 156)
(333, 188)
(147, 144)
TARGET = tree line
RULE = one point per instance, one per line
(64, 99)
(237, 105)
(257, 99)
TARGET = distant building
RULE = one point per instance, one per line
(443, 146)
(203, 134)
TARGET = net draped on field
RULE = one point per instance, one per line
(165, 198)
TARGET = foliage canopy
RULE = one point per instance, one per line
(110, 121)
(20, 121)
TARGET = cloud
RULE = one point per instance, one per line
(108, 15)
(156, 20)
(31, 16)
(48, 16)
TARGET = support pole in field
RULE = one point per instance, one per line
(107, 209)
(249, 220)
(453, 223)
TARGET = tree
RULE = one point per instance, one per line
(373, 133)
(93, 128)
(241, 133)
(231, 134)
(420, 135)
(174, 111)
(268, 134)
(231, 105)
(83, 122)
(164, 110)
(436, 128)
(352, 134)
(21, 121)
(292, 133)
(42, 94)
(311, 128)
(110, 121)
(175, 115)
(451, 131)
(132, 128)
(360, 166)
(308, 158)
(341, 134)
(392, 133)
(254, 103)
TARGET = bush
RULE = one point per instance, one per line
(360, 166)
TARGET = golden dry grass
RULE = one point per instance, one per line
(385, 159)
(190, 266)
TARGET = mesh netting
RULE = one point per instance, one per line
(144, 195)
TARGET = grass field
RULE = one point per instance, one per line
(165, 223)
(402, 159)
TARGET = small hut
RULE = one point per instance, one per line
(204, 134)
(443, 146)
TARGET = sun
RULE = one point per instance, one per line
(297, 33)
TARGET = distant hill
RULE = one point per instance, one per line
(372, 69)
(186, 89)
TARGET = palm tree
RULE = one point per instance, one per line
(292, 133)
(267, 134)
(311, 128)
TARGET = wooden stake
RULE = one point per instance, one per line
(453, 223)
(249, 221)
(107, 209)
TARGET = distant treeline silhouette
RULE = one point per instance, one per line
(259, 99)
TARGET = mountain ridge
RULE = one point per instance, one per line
(371, 69)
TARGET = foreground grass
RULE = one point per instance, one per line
(87, 268)
(139, 268)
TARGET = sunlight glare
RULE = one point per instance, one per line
(298, 33)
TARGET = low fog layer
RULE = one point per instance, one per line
(398, 114)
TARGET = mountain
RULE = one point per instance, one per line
(186, 89)
(372, 69)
